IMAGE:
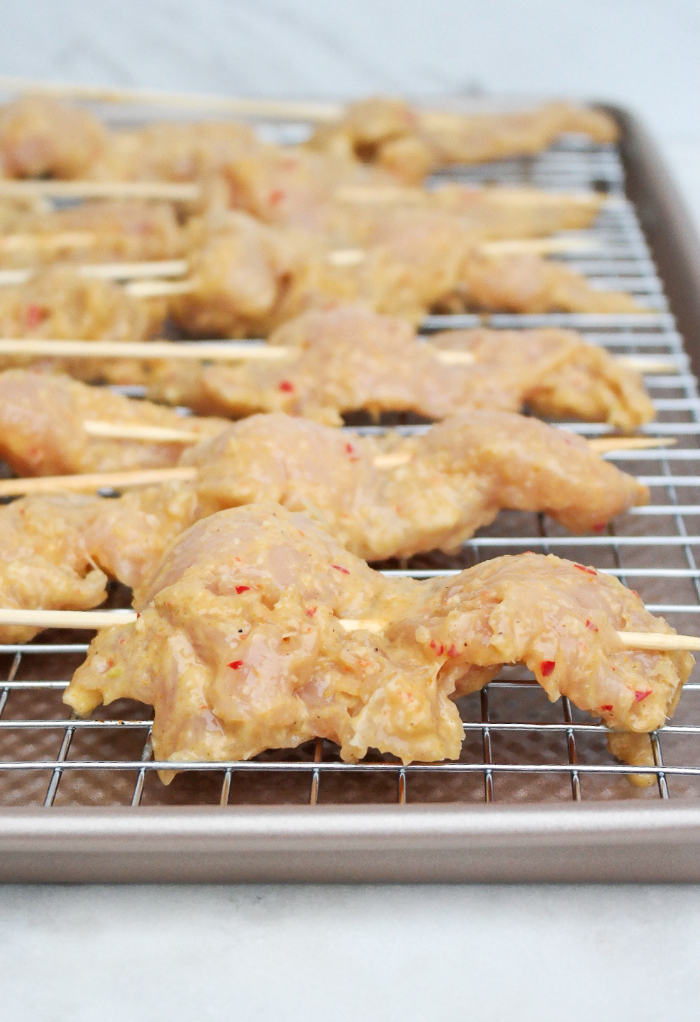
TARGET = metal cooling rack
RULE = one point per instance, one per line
(518, 747)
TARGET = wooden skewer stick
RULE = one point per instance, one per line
(601, 445)
(160, 288)
(95, 619)
(220, 351)
(108, 271)
(659, 641)
(504, 246)
(539, 246)
(90, 482)
(604, 444)
(268, 109)
(127, 431)
(166, 190)
(23, 241)
(233, 351)
(372, 194)
(67, 618)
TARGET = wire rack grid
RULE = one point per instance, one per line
(518, 747)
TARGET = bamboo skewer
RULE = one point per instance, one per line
(151, 271)
(502, 246)
(233, 351)
(95, 481)
(220, 351)
(169, 191)
(163, 434)
(22, 241)
(90, 482)
(96, 619)
(108, 271)
(373, 194)
(269, 109)
(148, 434)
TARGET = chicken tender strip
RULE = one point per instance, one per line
(42, 427)
(127, 230)
(412, 143)
(353, 359)
(239, 646)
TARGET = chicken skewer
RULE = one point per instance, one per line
(152, 269)
(95, 620)
(247, 278)
(239, 351)
(239, 645)
(39, 135)
(460, 474)
(412, 143)
(353, 359)
(47, 428)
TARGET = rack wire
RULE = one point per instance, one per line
(518, 747)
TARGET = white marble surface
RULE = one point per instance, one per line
(409, 953)
(350, 954)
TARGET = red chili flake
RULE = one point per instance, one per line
(235, 664)
(338, 567)
(599, 527)
(642, 695)
(311, 611)
(286, 386)
(589, 624)
(437, 646)
(452, 651)
(589, 571)
(606, 709)
(349, 448)
(35, 315)
(242, 589)
(276, 196)
(546, 667)
(635, 593)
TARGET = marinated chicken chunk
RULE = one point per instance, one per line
(42, 427)
(60, 304)
(412, 143)
(42, 137)
(45, 561)
(352, 359)
(240, 645)
(395, 496)
(247, 277)
(173, 151)
(93, 232)
(379, 497)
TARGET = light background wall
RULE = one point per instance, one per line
(641, 53)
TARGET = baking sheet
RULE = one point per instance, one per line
(81, 799)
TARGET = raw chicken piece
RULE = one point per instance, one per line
(42, 429)
(412, 143)
(239, 646)
(352, 359)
